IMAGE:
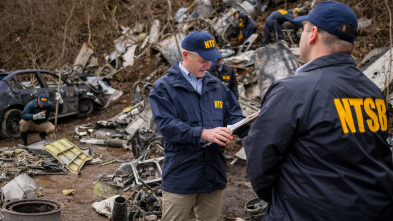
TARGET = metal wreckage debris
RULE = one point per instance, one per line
(69, 154)
(33, 210)
(130, 129)
(138, 180)
(134, 188)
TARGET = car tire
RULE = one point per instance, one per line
(10, 124)
(86, 107)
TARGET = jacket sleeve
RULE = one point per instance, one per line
(27, 113)
(234, 113)
(269, 138)
(289, 17)
(170, 127)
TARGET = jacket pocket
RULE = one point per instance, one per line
(218, 117)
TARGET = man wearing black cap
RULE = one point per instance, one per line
(192, 108)
(226, 74)
(35, 116)
(318, 149)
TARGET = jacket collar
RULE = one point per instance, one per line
(177, 79)
(35, 103)
(328, 60)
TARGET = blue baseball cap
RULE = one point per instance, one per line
(202, 43)
(215, 62)
(330, 15)
(43, 99)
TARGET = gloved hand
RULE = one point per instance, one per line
(58, 98)
(240, 37)
(39, 116)
(241, 25)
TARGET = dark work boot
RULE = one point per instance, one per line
(42, 135)
(23, 136)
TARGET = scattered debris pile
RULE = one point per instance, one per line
(136, 183)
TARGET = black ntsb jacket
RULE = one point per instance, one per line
(34, 108)
(318, 149)
(227, 77)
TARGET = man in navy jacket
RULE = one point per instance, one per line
(318, 149)
(226, 74)
(35, 116)
(192, 108)
(246, 24)
(273, 24)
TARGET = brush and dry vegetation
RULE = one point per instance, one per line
(46, 34)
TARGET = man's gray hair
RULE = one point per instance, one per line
(192, 53)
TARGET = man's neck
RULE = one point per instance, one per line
(186, 67)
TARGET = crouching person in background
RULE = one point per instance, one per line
(35, 116)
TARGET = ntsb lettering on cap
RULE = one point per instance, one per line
(210, 44)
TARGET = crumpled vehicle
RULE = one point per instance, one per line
(20, 87)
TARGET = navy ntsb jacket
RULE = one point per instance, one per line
(180, 114)
(280, 16)
(247, 21)
(34, 108)
(227, 77)
(318, 149)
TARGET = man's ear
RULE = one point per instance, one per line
(186, 57)
(313, 35)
